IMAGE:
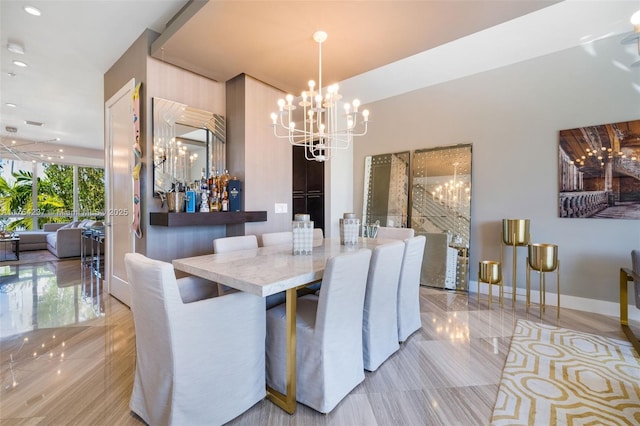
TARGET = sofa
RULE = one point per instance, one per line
(61, 239)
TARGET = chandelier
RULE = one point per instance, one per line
(634, 37)
(324, 129)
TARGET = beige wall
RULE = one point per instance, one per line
(512, 116)
(169, 82)
(266, 161)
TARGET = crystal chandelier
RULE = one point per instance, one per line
(324, 128)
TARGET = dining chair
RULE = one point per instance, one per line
(409, 287)
(277, 238)
(188, 371)
(328, 333)
(395, 233)
(228, 244)
(380, 316)
(242, 242)
(318, 234)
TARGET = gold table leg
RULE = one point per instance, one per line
(288, 402)
(626, 276)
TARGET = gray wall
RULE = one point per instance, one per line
(512, 116)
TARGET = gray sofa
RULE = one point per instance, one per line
(61, 239)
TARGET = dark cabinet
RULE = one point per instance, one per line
(308, 187)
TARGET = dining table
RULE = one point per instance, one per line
(269, 270)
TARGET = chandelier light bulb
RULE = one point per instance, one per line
(635, 21)
(312, 84)
(289, 99)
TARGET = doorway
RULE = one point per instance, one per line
(308, 187)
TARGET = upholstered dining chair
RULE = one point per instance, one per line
(242, 242)
(328, 333)
(228, 244)
(188, 372)
(318, 234)
(395, 233)
(277, 238)
(380, 317)
(409, 287)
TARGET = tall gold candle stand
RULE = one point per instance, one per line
(543, 258)
(490, 272)
(515, 233)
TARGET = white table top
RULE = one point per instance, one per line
(268, 270)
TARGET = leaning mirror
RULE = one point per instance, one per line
(441, 210)
(186, 141)
(386, 190)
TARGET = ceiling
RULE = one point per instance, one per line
(73, 43)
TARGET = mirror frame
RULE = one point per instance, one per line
(386, 189)
(450, 211)
(166, 116)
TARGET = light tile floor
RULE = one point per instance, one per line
(69, 358)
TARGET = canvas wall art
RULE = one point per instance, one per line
(599, 171)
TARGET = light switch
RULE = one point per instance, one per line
(281, 207)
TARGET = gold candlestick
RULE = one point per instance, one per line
(515, 233)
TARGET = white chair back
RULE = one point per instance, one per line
(385, 232)
(380, 317)
(242, 242)
(409, 287)
(277, 238)
(318, 234)
(188, 372)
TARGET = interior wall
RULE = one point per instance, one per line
(267, 177)
(512, 117)
(175, 84)
(169, 82)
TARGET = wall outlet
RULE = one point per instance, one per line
(281, 207)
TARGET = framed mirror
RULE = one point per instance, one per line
(441, 210)
(386, 190)
(186, 141)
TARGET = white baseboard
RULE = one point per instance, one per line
(602, 307)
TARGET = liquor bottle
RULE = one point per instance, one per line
(225, 200)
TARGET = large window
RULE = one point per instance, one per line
(32, 193)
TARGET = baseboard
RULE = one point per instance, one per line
(602, 307)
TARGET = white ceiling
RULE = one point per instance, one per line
(376, 48)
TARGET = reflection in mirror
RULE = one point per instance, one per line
(386, 190)
(441, 210)
(185, 141)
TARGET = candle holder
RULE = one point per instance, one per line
(543, 258)
(349, 228)
(515, 233)
(490, 272)
(302, 230)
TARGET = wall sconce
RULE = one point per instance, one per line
(635, 36)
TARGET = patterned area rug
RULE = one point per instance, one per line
(555, 376)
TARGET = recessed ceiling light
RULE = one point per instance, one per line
(33, 123)
(15, 48)
(9, 104)
(11, 129)
(32, 11)
(13, 142)
(19, 63)
(11, 74)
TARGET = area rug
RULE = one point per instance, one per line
(556, 376)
